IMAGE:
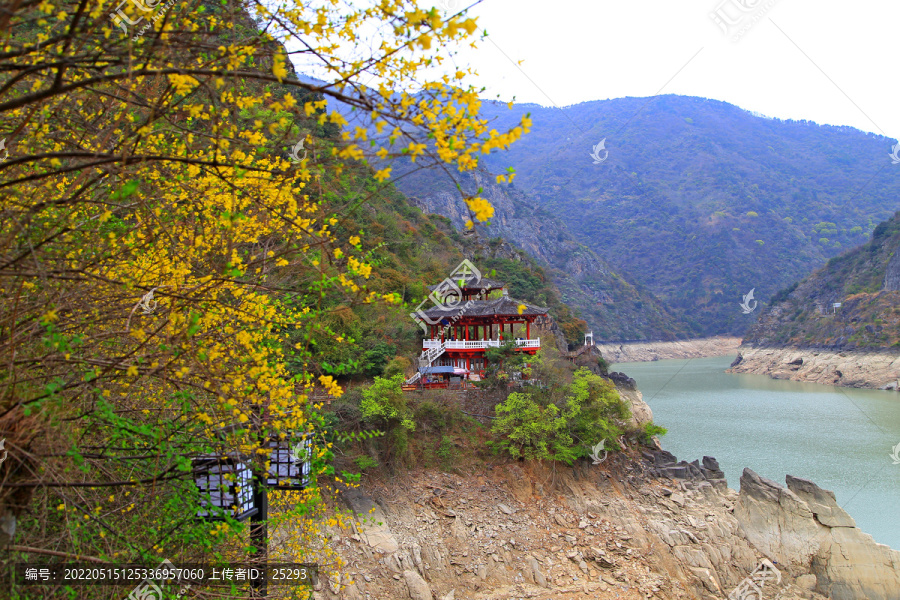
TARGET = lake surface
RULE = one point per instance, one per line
(839, 438)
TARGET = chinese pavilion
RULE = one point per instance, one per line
(467, 323)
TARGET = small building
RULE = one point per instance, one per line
(459, 334)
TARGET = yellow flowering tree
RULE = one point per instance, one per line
(170, 226)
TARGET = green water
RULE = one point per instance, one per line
(839, 438)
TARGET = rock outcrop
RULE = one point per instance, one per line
(875, 370)
(639, 526)
(803, 529)
(892, 273)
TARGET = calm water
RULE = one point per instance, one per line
(839, 438)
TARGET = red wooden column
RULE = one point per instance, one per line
(528, 330)
(467, 334)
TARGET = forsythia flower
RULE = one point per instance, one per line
(278, 68)
(481, 207)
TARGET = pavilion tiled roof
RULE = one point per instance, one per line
(504, 306)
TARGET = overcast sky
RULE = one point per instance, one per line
(825, 61)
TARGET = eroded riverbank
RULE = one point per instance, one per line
(650, 351)
(873, 370)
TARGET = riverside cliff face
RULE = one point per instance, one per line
(859, 369)
(637, 526)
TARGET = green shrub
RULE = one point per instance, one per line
(365, 462)
(530, 430)
(603, 364)
(532, 426)
(397, 366)
(383, 402)
(376, 359)
(651, 430)
(446, 452)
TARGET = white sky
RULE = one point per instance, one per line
(826, 61)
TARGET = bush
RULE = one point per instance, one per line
(603, 365)
(365, 462)
(446, 452)
(501, 363)
(651, 430)
(383, 402)
(397, 366)
(531, 426)
(376, 359)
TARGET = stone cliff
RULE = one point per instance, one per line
(638, 526)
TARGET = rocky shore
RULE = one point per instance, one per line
(641, 525)
(649, 351)
(859, 369)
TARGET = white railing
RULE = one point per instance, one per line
(430, 354)
(414, 378)
(475, 344)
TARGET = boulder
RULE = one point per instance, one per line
(821, 502)
(777, 522)
(622, 381)
(536, 574)
(802, 528)
(418, 588)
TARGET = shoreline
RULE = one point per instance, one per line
(652, 351)
(849, 368)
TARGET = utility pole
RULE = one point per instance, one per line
(259, 532)
(259, 529)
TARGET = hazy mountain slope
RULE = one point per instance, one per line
(699, 200)
(865, 280)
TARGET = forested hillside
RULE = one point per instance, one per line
(700, 201)
(866, 283)
(614, 307)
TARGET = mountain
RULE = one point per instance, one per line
(700, 201)
(613, 307)
(865, 281)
